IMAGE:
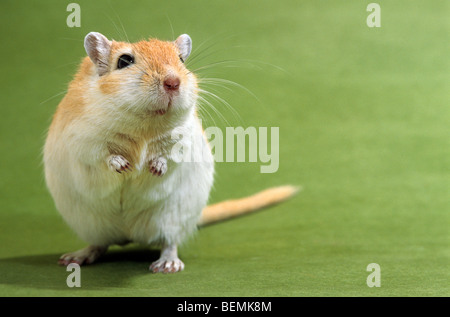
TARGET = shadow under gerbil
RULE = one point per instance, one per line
(114, 269)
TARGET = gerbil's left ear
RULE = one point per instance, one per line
(184, 44)
(98, 48)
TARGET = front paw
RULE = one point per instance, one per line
(158, 166)
(118, 163)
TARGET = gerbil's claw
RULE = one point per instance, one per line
(167, 266)
(118, 163)
(160, 112)
(158, 166)
(83, 256)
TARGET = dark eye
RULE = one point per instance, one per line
(181, 59)
(125, 60)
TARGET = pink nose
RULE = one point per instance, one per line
(171, 84)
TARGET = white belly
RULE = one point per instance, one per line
(104, 207)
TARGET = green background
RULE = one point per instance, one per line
(364, 128)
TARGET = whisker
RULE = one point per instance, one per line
(201, 56)
(71, 39)
(54, 96)
(266, 64)
(196, 55)
(212, 65)
(217, 112)
(115, 26)
(67, 64)
(203, 109)
(171, 27)
(218, 39)
(121, 25)
(217, 81)
(224, 102)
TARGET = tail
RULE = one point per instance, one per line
(233, 208)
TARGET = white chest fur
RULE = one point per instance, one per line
(105, 207)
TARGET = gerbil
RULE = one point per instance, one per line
(107, 156)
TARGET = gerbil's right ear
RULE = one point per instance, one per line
(184, 44)
(98, 48)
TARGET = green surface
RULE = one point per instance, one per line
(364, 123)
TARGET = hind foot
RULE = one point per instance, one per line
(167, 266)
(168, 262)
(84, 256)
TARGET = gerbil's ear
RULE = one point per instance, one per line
(98, 48)
(184, 44)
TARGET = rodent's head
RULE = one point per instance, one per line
(147, 77)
